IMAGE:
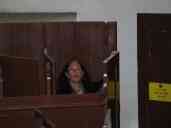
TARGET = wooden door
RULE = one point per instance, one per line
(154, 49)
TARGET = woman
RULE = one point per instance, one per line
(75, 80)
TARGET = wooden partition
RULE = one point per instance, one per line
(22, 59)
(24, 65)
(83, 111)
(60, 43)
(22, 76)
(22, 40)
(90, 42)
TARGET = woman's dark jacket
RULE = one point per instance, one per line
(64, 87)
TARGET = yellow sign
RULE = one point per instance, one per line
(160, 92)
(112, 88)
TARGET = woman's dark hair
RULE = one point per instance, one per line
(63, 85)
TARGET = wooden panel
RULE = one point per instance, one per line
(154, 48)
(21, 39)
(112, 45)
(22, 77)
(60, 39)
(111, 31)
(92, 47)
(90, 42)
(59, 109)
(5, 39)
(27, 40)
(113, 75)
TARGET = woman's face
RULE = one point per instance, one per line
(75, 72)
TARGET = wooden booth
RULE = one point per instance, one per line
(85, 111)
(31, 57)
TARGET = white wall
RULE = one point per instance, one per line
(124, 11)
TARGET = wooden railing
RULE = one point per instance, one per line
(49, 73)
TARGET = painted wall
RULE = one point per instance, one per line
(122, 11)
